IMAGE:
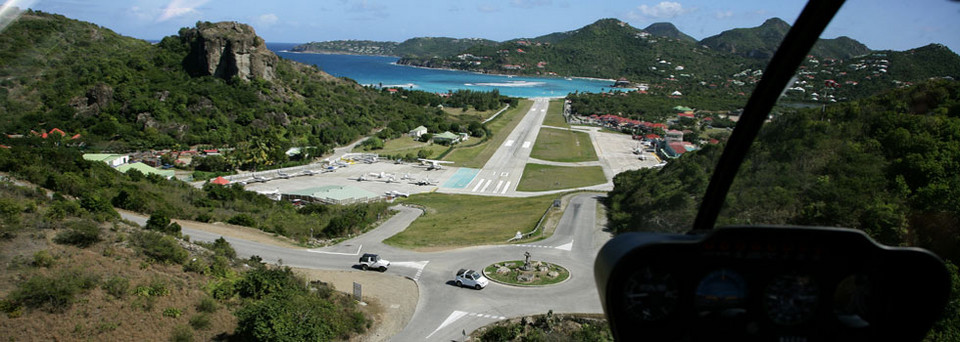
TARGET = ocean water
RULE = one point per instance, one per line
(382, 71)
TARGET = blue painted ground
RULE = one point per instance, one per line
(461, 178)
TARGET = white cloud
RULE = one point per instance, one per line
(178, 8)
(663, 10)
(486, 8)
(530, 3)
(723, 14)
(267, 19)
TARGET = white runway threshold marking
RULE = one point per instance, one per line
(505, 188)
(479, 184)
(337, 253)
(509, 143)
(486, 186)
(497, 188)
(454, 316)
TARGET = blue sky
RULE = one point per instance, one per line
(880, 24)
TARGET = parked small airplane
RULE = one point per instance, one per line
(425, 181)
(283, 175)
(359, 179)
(395, 193)
(434, 164)
(260, 179)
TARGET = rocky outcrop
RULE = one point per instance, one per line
(228, 49)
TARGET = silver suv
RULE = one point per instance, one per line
(372, 261)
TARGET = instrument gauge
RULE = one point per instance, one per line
(791, 299)
(650, 295)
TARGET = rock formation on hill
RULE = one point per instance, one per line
(228, 49)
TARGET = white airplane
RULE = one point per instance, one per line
(260, 179)
(395, 193)
(434, 164)
(359, 179)
(425, 181)
(308, 172)
(381, 175)
(283, 175)
(406, 176)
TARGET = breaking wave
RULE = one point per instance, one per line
(507, 84)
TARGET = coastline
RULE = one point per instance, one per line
(337, 53)
(505, 75)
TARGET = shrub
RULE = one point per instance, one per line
(42, 259)
(200, 322)
(208, 305)
(81, 234)
(159, 247)
(243, 220)
(117, 286)
(172, 312)
(55, 293)
(182, 333)
(196, 265)
(499, 333)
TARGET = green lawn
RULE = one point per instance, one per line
(562, 145)
(470, 113)
(464, 220)
(554, 115)
(405, 145)
(539, 177)
(477, 156)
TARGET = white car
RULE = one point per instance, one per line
(471, 278)
(372, 261)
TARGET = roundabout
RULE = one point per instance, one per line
(526, 272)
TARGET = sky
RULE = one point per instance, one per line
(880, 24)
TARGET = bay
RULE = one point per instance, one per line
(383, 71)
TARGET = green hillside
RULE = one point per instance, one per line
(414, 47)
(762, 41)
(124, 94)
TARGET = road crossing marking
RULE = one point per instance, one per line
(566, 247)
(526, 144)
(419, 265)
(505, 188)
(455, 315)
(337, 253)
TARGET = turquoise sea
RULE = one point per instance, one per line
(382, 71)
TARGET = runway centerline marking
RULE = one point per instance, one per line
(509, 143)
(526, 144)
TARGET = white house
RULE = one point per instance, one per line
(113, 160)
(417, 132)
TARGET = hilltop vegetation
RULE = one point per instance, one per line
(127, 94)
(414, 47)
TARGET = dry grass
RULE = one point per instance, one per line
(95, 314)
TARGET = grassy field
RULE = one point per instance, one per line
(554, 115)
(469, 113)
(563, 146)
(405, 145)
(539, 177)
(477, 156)
(464, 220)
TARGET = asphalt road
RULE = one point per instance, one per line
(444, 310)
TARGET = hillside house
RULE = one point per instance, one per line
(113, 160)
(417, 132)
(446, 137)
